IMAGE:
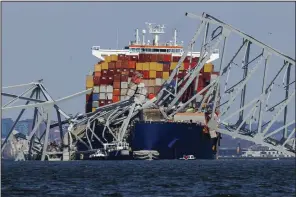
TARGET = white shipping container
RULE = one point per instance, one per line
(102, 96)
(95, 104)
(124, 85)
(141, 98)
(129, 79)
(103, 88)
(123, 92)
(158, 82)
(109, 96)
(109, 89)
(96, 89)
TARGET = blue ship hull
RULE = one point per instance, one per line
(173, 140)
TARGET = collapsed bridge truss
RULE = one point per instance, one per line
(254, 90)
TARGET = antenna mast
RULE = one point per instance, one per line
(156, 31)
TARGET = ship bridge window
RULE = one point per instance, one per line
(155, 50)
(170, 50)
(163, 50)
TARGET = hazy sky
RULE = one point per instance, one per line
(53, 41)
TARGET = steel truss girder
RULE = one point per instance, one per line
(258, 136)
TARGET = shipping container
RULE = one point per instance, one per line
(208, 68)
(102, 96)
(93, 110)
(145, 66)
(159, 67)
(117, 71)
(89, 81)
(176, 58)
(117, 77)
(131, 72)
(116, 84)
(109, 89)
(139, 66)
(118, 64)
(111, 65)
(167, 57)
(151, 82)
(111, 72)
(121, 57)
(98, 67)
(123, 91)
(116, 99)
(116, 92)
(96, 81)
(158, 81)
(103, 80)
(101, 103)
(113, 57)
(95, 104)
(95, 97)
(104, 73)
(109, 96)
(153, 57)
(124, 78)
(124, 85)
(153, 66)
(158, 74)
(98, 74)
(105, 66)
(132, 58)
(157, 89)
(165, 75)
(124, 64)
(96, 89)
(166, 67)
(160, 57)
(152, 74)
(110, 80)
(145, 74)
(132, 64)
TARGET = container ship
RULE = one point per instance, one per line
(152, 136)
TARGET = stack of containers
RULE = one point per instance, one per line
(111, 79)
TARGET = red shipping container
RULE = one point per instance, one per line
(117, 77)
(166, 67)
(146, 74)
(195, 59)
(131, 72)
(110, 80)
(104, 73)
(132, 58)
(121, 57)
(102, 102)
(118, 63)
(124, 64)
(111, 64)
(141, 58)
(158, 74)
(186, 65)
(98, 74)
(167, 57)
(153, 57)
(115, 99)
(132, 64)
(116, 85)
(108, 102)
(104, 80)
(176, 58)
(160, 57)
(111, 72)
(124, 78)
(117, 71)
(187, 59)
(180, 74)
(96, 80)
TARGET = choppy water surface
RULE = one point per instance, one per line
(150, 178)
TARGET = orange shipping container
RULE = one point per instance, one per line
(159, 67)
(132, 64)
(139, 66)
(98, 67)
(89, 81)
(116, 92)
(165, 75)
(152, 74)
(153, 66)
(105, 66)
(145, 66)
(208, 68)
